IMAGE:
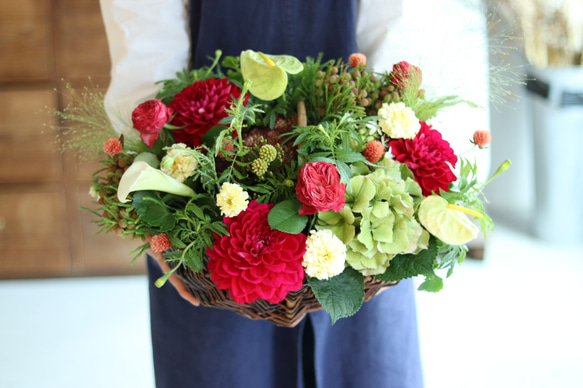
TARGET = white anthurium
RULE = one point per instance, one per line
(447, 222)
(142, 176)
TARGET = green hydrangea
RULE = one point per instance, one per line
(377, 221)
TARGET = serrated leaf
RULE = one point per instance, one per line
(342, 295)
(285, 218)
(406, 266)
(153, 211)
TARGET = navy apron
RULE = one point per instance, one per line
(207, 347)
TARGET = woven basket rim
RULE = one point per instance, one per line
(288, 313)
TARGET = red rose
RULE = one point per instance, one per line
(200, 107)
(427, 155)
(254, 261)
(319, 188)
(149, 118)
(406, 76)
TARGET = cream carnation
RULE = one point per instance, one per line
(399, 121)
(183, 163)
(325, 255)
(232, 200)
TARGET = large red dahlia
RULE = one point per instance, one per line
(254, 261)
(200, 107)
(427, 155)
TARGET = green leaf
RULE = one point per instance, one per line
(210, 137)
(431, 284)
(406, 266)
(349, 156)
(153, 211)
(285, 218)
(342, 295)
(193, 260)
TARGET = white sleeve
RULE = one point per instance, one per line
(447, 39)
(148, 42)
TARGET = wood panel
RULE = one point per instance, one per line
(26, 41)
(33, 239)
(82, 49)
(43, 231)
(27, 148)
(104, 253)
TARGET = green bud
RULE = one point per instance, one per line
(259, 167)
(268, 153)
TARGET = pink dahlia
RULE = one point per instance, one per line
(319, 188)
(427, 155)
(200, 107)
(254, 261)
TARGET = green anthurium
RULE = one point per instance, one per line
(268, 73)
(447, 222)
(149, 158)
(142, 176)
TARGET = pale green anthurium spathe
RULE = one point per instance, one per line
(268, 73)
(450, 226)
(141, 176)
(149, 158)
(377, 221)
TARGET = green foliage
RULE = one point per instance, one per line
(153, 211)
(409, 265)
(171, 87)
(468, 193)
(428, 109)
(196, 226)
(342, 295)
(285, 218)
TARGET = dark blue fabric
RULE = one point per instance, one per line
(207, 347)
(295, 27)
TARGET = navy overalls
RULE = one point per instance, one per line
(207, 347)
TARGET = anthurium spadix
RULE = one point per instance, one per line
(447, 222)
(268, 73)
(142, 176)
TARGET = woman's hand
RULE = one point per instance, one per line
(174, 280)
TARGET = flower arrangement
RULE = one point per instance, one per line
(271, 175)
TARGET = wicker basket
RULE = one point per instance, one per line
(287, 313)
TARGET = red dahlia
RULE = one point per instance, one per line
(200, 107)
(254, 261)
(427, 155)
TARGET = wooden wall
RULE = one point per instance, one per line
(43, 231)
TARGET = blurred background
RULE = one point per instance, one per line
(75, 313)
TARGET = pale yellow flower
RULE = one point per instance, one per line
(232, 199)
(325, 255)
(183, 163)
(399, 121)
